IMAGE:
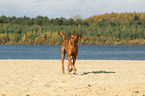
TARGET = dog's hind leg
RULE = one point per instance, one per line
(62, 59)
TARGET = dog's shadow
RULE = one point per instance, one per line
(97, 72)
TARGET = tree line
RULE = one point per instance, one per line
(40, 20)
(106, 29)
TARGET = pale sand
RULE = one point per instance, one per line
(94, 78)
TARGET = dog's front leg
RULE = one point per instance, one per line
(72, 65)
(69, 69)
(74, 60)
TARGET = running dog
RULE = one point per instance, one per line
(70, 47)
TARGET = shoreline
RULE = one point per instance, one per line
(77, 59)
(94, 78)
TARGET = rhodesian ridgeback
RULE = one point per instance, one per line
(70, 47)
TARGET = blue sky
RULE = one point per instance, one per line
(68, 8)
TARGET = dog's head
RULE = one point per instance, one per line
(74, 38)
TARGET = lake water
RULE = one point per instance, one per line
(86, 52)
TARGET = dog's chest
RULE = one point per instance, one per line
(73, 51)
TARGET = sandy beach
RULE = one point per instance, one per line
(94, 78)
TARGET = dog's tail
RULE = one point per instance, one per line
(62, 35)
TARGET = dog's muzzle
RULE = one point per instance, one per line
(75, 42)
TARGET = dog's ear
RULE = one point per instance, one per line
(68, 37)
(80, 36)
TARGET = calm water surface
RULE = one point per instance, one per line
(86, 52)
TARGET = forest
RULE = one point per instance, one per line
(105, 29)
